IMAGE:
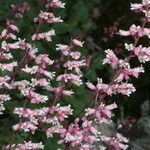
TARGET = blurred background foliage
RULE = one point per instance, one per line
(91, 21)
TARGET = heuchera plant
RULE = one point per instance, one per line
(81, 133)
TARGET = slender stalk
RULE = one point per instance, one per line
(136, 40)
(13, 75)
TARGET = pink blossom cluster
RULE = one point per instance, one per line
(116, 88)
(118, 64)
(73, 64)
(46, 35)
(40, 77)
(82, 133)
(82, 136)
(143, 53)
(55, 4)
(47, 17)
(25, 146)
(50, 115)
(102, 113)
(7, 64)
(142, 7)
(136, 31)
(20, 9)
(60, 91)
(8, 32)
(117, 142)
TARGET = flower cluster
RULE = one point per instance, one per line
(8, 32)
(136, 31)
(142, 7)
(80, 136)
(73, 63)
(25, 146)
(47, 17)
(117, 142)
(120, 83)
(20, 9)
(122, 88)
(55, 4)
(52, 118)
(102, 113)
(50, 115)
(46, 35)
(143, 53)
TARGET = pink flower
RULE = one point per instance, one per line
(31, 70)
(111, 59)
(39, 82)
(136, 31)
(62, 111)
(32, 53)
(127, 71)
(78, 136)
(81, 133)
(90, 86)
(129, 47)
(136, 71)
(143, 53)
(46, 35)
(21, 85)
(102, 113)
(25, 146)
(119, 142)
(34, 97)
(29, 145)
(9, 66)
(11, 26)
(123, 88)
(9, 46)
(100, 87)
(4, 97)
(77, 42)
(48, 74)
(5, 56)
(20, 9)
(137, 6)
(25, 126)
(6, 35)
(37, 98)
(67, 93)
(75, 55)
(63, 48)
(141, 6)
(124, 33)
(53, 130)
(4, 79)
(47, 17)
(24, 45)
(75, 79)
(75, 65)
(55, 4)
(51, 115)
(86, 147)
(146, 2)
(60, 91)
(38, 70)
(43, 60)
